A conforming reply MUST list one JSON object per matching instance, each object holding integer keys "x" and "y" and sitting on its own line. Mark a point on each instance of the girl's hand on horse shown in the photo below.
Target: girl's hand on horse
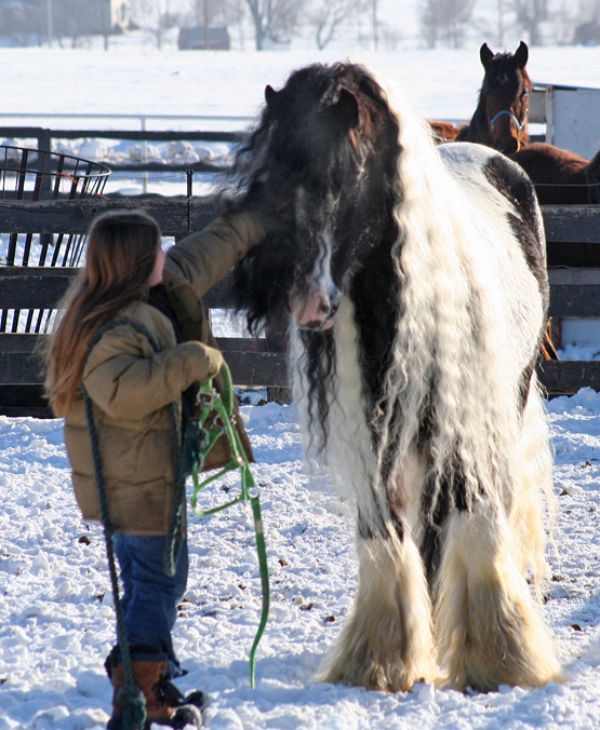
{"x": 275, "y": 210}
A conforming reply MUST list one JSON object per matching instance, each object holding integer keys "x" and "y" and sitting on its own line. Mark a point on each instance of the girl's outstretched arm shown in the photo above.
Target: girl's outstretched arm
{"x": 205, "y": 258}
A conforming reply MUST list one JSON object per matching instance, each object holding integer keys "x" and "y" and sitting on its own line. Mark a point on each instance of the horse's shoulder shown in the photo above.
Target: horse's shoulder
{"x": 499, "y": 172}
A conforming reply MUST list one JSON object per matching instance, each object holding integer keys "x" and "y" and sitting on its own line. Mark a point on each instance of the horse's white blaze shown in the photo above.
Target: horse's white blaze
{"x": 319, "y": 304}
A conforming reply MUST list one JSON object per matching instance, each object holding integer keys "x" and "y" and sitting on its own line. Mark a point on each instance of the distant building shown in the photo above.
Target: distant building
{"x": 587, "y": 34}
{"x": 194, "y": 38}
{"x": 26, "y": 21}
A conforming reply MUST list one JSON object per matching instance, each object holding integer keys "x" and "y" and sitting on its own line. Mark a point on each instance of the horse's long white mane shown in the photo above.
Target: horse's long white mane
{"x": 457, "y": 321}
{"x": 451, "y": 606}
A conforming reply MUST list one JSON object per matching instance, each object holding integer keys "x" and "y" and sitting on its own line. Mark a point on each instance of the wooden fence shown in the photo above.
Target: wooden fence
{"x": 575, "y": 291}
{"x": 45, "y": 138}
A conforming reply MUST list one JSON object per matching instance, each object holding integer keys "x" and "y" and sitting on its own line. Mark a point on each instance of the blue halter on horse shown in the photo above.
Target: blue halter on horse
{"x": 501, "y": 117}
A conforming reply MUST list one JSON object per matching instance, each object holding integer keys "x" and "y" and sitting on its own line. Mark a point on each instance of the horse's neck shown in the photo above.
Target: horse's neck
{"x": 478, "y": 129}
{"x": 376, "y": 312}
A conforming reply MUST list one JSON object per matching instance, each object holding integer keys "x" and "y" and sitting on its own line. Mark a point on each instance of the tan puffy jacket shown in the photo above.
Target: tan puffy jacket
{"x": 131, "y": 386}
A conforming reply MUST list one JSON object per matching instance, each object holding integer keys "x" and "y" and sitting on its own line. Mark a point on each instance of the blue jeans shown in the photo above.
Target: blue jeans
{"x": 150, "y": 596}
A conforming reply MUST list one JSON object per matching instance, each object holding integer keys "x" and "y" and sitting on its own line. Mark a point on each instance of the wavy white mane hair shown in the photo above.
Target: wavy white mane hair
{"x": 451, "y": 257}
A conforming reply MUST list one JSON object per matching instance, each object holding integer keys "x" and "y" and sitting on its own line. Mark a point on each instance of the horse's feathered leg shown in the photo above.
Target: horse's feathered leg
{"x": 387, "y": 643}
{"x": 488, "y": 627}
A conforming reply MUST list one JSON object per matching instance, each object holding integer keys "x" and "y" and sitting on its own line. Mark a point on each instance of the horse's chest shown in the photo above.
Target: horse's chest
{"x": 350, "y": 451}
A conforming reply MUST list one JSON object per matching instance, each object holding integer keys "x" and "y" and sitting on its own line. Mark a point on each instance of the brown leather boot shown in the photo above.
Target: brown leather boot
{"x": 165, "y": 704}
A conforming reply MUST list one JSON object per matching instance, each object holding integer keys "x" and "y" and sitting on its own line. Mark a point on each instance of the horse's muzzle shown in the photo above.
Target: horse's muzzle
{"x": 317, "y": 311}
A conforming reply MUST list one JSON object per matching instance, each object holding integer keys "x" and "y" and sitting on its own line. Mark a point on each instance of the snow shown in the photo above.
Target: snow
{"x": 56, "y": 616}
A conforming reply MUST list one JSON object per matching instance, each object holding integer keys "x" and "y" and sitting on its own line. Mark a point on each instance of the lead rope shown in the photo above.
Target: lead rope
{"x": 132, "y": 699}
{"x": 215, "y": 418}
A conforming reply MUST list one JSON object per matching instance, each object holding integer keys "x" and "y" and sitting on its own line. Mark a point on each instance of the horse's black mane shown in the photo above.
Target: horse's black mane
{"x": 298, "y": 144}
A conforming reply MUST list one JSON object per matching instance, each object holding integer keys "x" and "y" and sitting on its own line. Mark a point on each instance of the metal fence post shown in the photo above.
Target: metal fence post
{"x": 145, "y": 156}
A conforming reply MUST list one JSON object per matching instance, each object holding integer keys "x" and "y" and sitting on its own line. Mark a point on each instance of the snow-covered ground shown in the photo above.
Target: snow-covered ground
{"x": 56, "y": 618}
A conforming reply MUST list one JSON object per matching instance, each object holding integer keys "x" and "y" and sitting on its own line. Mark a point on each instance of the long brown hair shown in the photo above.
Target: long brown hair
{"x": 121, "y": 251}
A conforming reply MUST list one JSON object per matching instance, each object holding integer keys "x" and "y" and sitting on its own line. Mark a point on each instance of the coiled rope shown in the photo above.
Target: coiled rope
{"x": 215, "y": 418}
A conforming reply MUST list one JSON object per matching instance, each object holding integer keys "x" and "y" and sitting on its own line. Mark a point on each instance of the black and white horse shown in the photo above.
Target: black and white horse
{"x": 415, "y": 283}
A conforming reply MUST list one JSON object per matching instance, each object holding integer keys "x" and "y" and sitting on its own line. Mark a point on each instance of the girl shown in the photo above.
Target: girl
{"x": 155, "y": 297}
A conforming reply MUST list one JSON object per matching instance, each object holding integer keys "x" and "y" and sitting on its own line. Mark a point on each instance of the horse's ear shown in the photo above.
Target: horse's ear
{"x": 485, "y": 55}
{"x": 522, "y": 54}
{"x": 345, "y": 109}
{"x": 270, "y": 94}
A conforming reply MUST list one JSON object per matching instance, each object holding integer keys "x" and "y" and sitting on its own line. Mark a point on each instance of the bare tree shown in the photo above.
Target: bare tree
{"x": 273, "y": 19}
{"x": 585, "y": 23}
{"x": 226, "y": 12}
{"x": 206, "y": 12}
{"x": 327, "y": 18}
{"x": 529, "y": 15}
{"x": 19, "y": 20}
{"x": 375, "y": 22}
{"x": 445, "y": 20}
{"x": 589, "y": 10}
{"x": 153, "y": 16}
{"x": 501, "y": 22}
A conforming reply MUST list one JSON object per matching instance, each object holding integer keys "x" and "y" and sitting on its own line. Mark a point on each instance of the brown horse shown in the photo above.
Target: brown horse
{"x": 500, "y": 119}
{"x": 560, "y": 176}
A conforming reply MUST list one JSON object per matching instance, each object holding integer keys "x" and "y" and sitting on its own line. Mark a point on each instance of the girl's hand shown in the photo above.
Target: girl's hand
{"x": 203, "y": 361}
{"x": 214, "y": 360}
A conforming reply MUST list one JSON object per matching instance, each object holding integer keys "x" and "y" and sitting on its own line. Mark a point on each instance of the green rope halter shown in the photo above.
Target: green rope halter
{"x": 216, "y": 418}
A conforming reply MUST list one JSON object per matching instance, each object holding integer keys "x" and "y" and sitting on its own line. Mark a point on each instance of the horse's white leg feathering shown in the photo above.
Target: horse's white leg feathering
{"x": 488, "y": 627}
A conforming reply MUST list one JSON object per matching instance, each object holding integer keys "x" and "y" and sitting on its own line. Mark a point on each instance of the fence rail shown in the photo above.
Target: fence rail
{"x": 45, "y": 138}
{"x": 575, "y": 292}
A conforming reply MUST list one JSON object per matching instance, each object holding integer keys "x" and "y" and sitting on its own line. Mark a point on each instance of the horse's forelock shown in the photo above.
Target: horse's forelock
{"x": 343, "y": 189}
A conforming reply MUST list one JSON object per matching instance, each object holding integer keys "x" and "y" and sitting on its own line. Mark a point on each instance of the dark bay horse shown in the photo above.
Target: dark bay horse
{"x": 500, "y": 119}
{"x": 560, "y": 176}
{"x": 414, "y": 281}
